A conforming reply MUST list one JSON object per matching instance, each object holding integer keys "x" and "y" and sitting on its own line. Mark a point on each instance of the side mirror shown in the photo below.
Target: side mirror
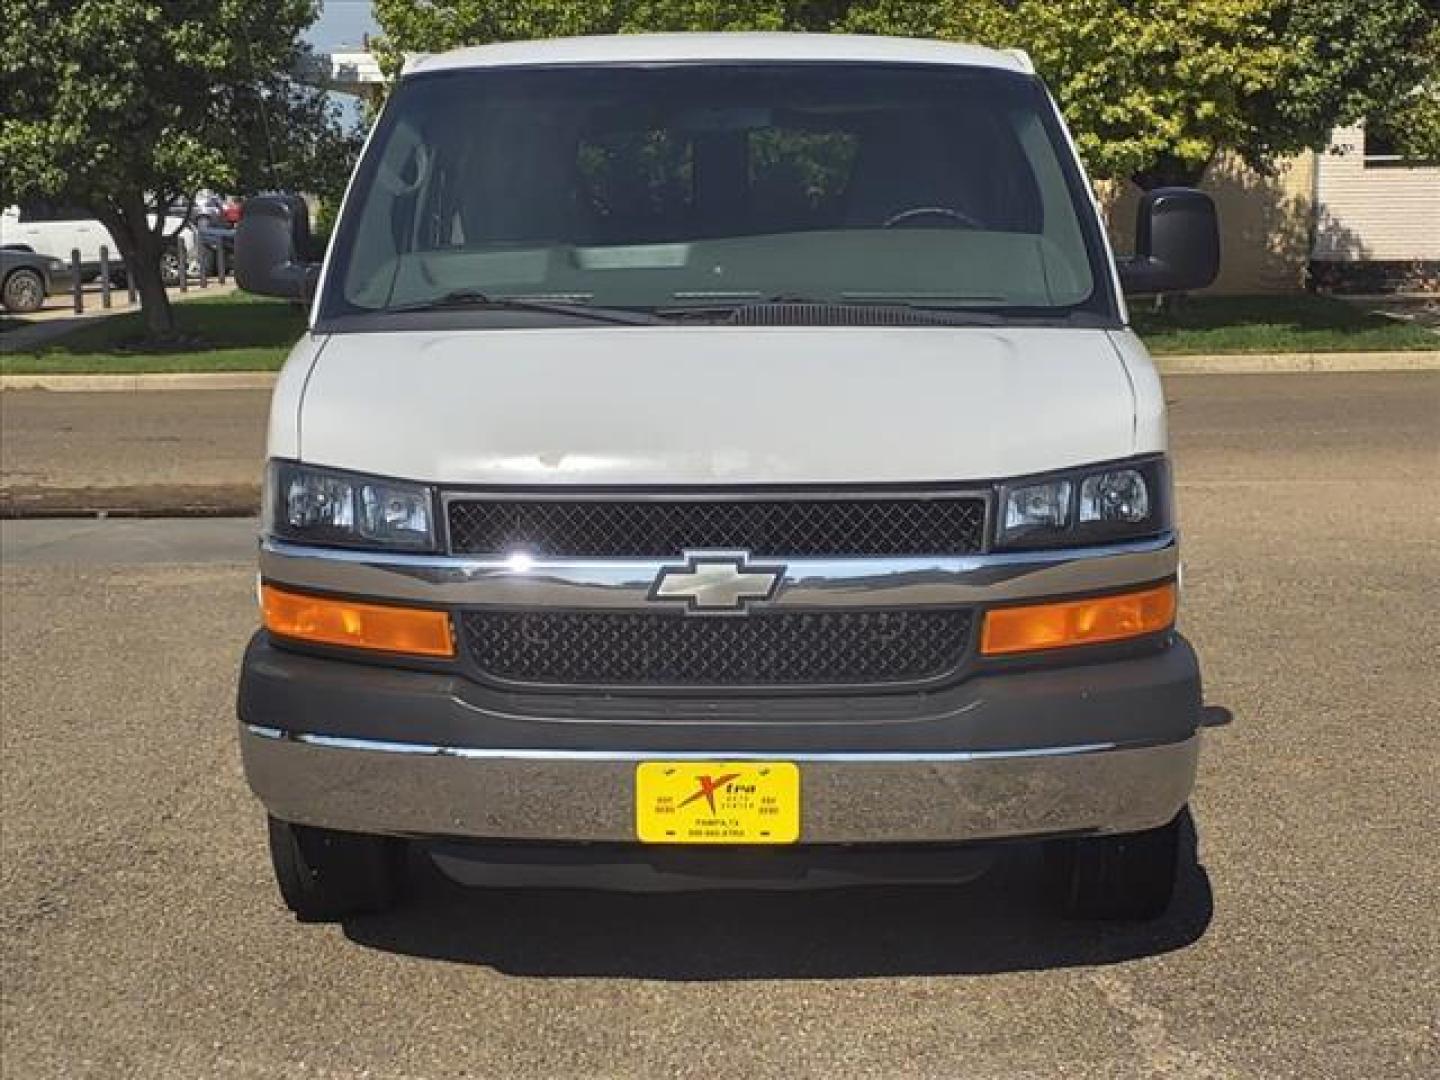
{"x": 1177, "y": 243}
{"x": 272, "y": 248}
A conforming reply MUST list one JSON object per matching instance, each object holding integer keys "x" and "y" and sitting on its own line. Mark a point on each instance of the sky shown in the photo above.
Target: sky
{"x": 341, "y": 22}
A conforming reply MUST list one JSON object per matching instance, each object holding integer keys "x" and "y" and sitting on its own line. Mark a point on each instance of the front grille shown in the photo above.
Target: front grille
{"x": 794, "y": 527}
{"x": 764, "y": 648}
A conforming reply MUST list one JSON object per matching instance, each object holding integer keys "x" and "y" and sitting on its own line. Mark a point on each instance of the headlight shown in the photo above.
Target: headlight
{"x": 1119, "y": 501}
{"x": 326, "y": 506}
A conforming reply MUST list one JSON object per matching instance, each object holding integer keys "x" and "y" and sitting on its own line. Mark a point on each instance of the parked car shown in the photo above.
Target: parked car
{"x": 211, "y": 210}
{"x": 716, "y": 460}
{"x": 204, "y": 210}
{"x": 27, "y": 278}
{"x": 56, "y": 231}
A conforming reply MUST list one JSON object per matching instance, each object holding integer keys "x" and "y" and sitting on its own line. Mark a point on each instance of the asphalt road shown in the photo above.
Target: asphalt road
{"x": 117, "y": 450}
{"x": 142, "y": 936}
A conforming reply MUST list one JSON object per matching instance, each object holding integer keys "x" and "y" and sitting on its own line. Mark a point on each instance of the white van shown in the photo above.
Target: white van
{"x": 59, "y": 231}
{"x": 721, "y": 460}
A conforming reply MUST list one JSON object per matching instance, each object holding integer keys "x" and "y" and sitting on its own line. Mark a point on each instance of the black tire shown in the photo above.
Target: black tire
{"x": 325, "y": 876}
{"x": 24, "y": 291}
{"x": 170, "y": 267}
{"x": 1130, "y": 876}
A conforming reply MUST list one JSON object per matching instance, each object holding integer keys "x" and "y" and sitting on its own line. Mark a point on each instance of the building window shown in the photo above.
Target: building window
{"x": 1382, "y": 149}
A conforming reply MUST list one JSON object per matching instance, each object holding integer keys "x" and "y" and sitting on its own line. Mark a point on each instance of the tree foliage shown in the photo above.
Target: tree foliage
{"x": 128, "y": 106}
{"x": 1349, "y": 61}
{"x": 1414, "y": 114}
{"x": 1153, "y": 89}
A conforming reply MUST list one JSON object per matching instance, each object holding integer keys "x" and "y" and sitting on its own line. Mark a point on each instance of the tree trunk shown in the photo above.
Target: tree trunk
{"x": 142, "y": 250}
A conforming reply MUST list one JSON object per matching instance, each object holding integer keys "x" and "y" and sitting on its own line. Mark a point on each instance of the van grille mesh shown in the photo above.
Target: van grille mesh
{"x": 763, "y": 648}
{"x": 794, "y": 527}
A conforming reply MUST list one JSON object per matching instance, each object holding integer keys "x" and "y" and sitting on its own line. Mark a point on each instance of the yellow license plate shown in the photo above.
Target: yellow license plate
{"x": 717, "y": 802}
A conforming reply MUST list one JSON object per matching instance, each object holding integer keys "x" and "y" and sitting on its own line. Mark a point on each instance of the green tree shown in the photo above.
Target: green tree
{"x": 1415, "y": 116}
{"x": 1156, "y": 89}
{"x": 1348, "y": 61}
{"x": 127, "y": 107}
{"x": 436, "y": 25}
{"x": 1153, "y": 89}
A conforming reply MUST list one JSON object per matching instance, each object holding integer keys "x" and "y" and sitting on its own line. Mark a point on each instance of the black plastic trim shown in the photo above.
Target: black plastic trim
{"x": 1140, "y": 700}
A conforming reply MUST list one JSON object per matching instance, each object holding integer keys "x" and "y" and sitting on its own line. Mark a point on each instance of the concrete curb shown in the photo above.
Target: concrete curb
{"x": 1299, "y": 363}
{"x": 1238, "y": 364}
{"x": 176, "y": 380}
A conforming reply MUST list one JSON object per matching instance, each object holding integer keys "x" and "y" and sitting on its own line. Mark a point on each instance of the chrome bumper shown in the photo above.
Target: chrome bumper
{"x": 805, "y": 583}
{"x": 556, "y": 795}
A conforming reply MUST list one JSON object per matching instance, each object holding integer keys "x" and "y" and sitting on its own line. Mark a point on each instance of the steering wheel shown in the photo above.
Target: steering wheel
{"x": 958, "y": 217}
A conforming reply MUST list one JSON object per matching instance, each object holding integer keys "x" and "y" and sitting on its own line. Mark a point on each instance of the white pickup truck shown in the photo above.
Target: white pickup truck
{"x": 720, "y": 460}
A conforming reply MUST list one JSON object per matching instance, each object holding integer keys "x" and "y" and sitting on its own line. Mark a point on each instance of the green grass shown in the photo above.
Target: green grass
{"x": 1273, "y": 324}
{"x": 237, "y": 332}
{"x": 234, "y": 332}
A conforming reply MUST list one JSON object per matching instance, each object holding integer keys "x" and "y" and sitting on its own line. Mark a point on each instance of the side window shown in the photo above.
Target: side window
{"x": 799, "y": 179}
{"x": 1383, "y": 149}
{"x": 635, "y": 184}
{"x": 963, "y": 162}
{"x": 37, "y": 211}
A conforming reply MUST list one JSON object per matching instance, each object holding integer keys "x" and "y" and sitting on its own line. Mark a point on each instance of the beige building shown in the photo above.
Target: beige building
{"x": 1353, "y": 217}
{"x": 1372, "y": 206}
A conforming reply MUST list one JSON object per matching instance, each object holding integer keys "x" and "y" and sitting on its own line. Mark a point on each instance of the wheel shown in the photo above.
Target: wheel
{"x": 325, "y": 876}
{"x": 24, "y": 291}
{"x": 1130, "y": 876}
{"x": 170, "y": 267}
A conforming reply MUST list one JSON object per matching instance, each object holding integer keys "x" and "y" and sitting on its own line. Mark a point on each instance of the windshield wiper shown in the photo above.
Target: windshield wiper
{"x": 820, "y": 312}
{"x": 473, "y": 299}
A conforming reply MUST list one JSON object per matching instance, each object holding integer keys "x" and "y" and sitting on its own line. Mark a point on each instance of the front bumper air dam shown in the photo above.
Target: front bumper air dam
{"x": 956, "y": 789}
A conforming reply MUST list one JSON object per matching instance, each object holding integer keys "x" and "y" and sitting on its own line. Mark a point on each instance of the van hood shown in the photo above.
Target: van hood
{"x": 716, "y": 405}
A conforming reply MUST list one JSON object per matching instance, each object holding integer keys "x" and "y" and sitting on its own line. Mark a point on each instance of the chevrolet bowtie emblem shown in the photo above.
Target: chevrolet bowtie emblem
{"x": 716, "y": 582}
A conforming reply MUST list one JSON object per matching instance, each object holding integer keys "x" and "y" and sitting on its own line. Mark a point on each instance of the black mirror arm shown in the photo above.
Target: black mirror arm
{"x": 1142, "y": 273}
{"x": 299, "y": 279}
{"x": 1177, "y": 243}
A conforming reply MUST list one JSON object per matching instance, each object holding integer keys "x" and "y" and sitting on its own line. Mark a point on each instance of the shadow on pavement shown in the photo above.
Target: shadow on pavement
{"x": 1000, "y": 923}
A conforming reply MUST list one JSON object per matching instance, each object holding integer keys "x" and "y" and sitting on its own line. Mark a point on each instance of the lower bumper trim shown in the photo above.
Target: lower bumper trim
{"x": 427, "y": 790}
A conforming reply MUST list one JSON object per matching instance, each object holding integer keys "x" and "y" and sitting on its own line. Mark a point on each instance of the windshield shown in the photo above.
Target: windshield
{"x": 691, "y": 187}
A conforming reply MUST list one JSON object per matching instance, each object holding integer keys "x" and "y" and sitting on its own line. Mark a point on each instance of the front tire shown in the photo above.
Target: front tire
{"x": 24, "y": 291}
{"x": 325, "y": 876}
{"x": 1127, "y": 877}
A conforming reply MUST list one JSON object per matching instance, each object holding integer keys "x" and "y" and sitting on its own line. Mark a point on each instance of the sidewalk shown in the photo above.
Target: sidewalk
{"x": 57, "y": 318}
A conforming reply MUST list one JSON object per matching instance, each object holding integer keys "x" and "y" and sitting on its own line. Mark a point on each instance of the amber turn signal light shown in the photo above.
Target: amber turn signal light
{"x": 1092, "y": 621}
{"x": 358, "y": 626}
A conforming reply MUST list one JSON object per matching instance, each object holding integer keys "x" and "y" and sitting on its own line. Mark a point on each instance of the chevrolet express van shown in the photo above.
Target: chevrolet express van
{"x": 720, "y": 460}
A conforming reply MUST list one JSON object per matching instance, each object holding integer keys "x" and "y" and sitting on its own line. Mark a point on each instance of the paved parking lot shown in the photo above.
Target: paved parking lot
{"x": 141, "y": 451}
{"x": 142, "y": 936}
